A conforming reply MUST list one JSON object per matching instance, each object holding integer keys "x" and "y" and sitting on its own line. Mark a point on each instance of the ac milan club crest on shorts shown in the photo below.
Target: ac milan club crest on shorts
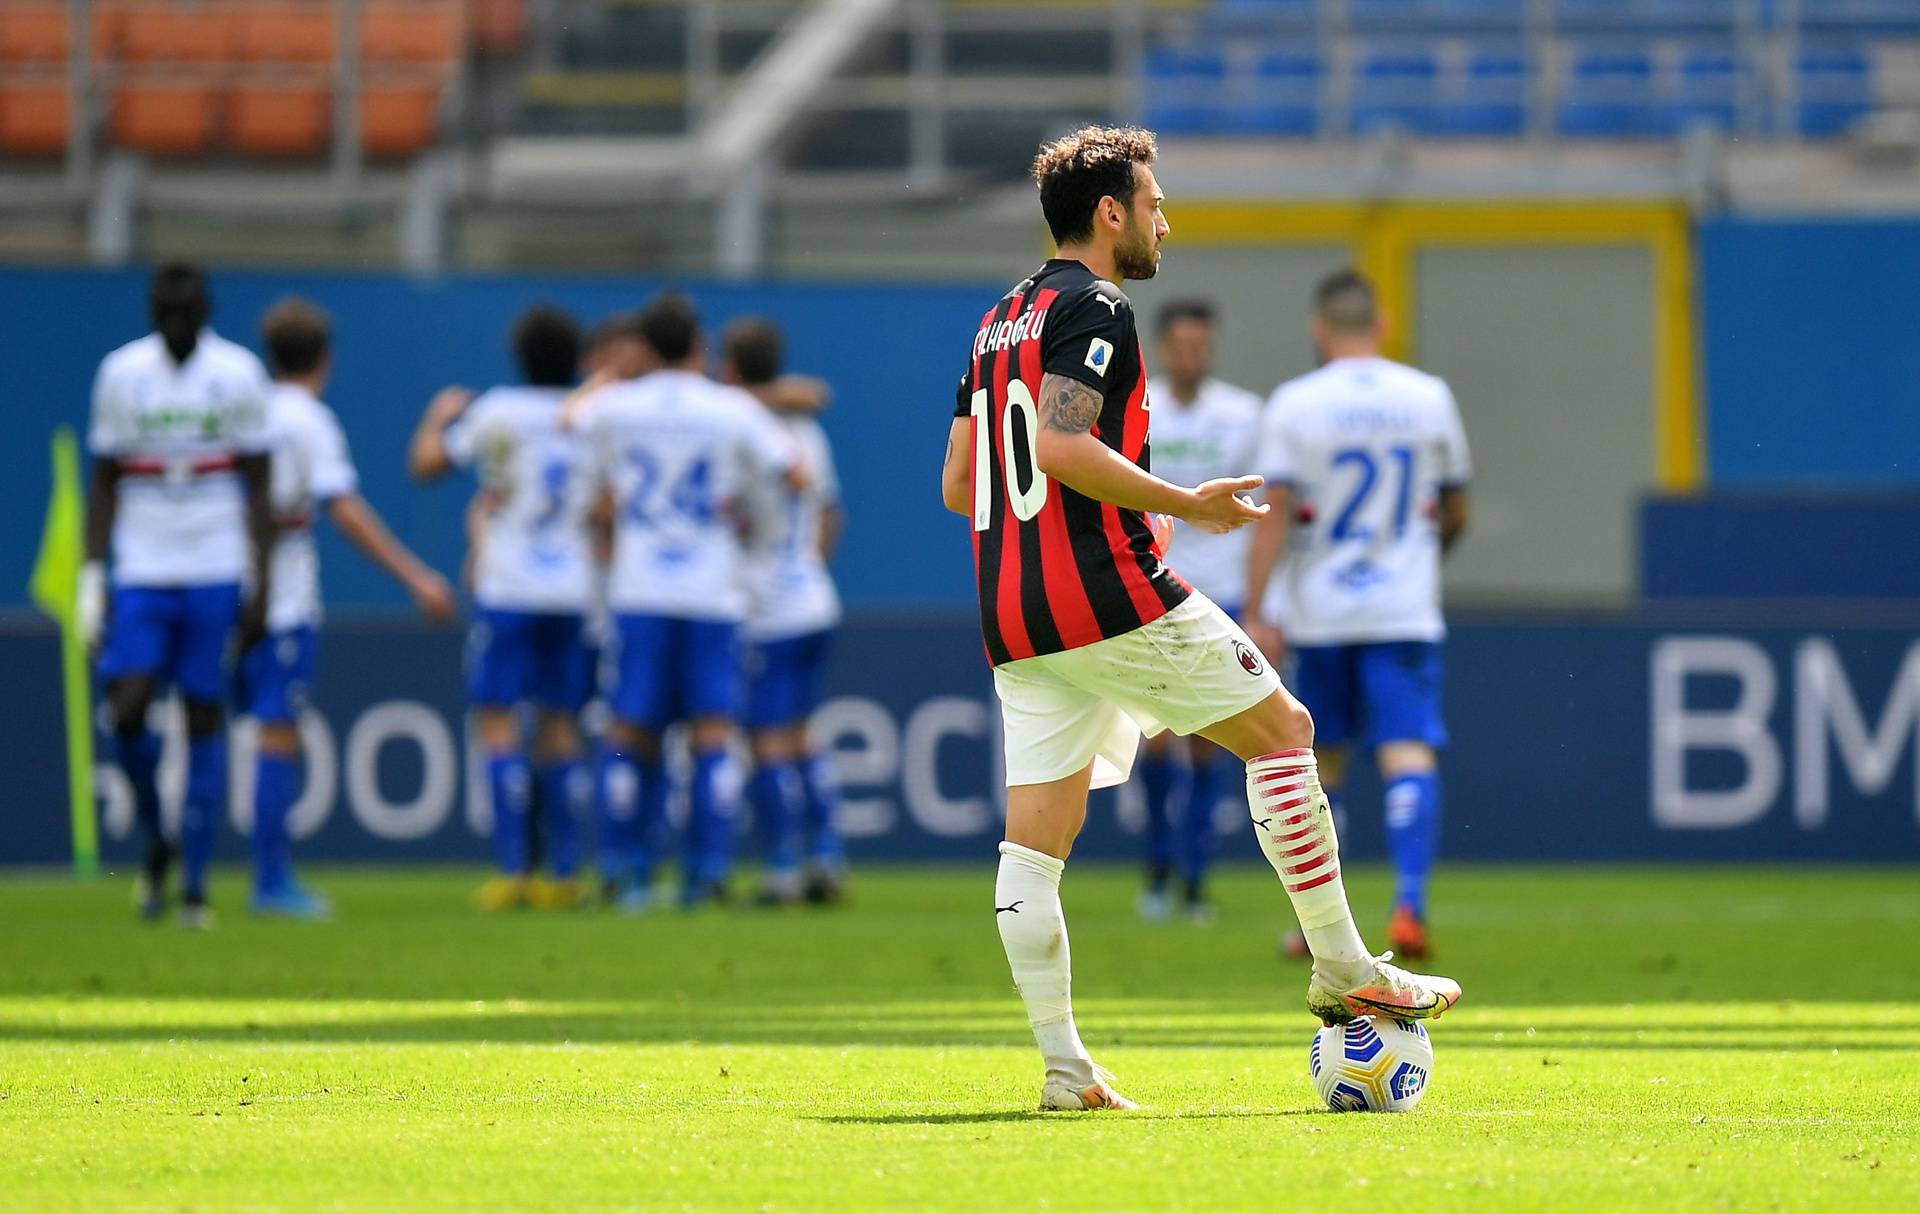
{"x": 1249, "y": 660}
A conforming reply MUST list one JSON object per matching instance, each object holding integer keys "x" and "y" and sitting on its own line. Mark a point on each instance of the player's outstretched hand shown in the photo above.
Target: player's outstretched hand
{"x": 1217, "y": 506}
{"x": 447, "y": 404}
{"x": 435, "y": 598}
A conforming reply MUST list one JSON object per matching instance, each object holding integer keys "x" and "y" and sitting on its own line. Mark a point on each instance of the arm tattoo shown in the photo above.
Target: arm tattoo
{"x": 1068, "y": 405}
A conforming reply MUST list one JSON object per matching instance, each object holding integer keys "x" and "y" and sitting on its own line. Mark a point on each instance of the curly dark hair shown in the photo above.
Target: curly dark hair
{"x": 1076, "y": 171}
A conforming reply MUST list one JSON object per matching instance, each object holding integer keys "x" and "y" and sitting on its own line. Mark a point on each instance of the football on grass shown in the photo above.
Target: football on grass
{"x": 1371, "y": 1065}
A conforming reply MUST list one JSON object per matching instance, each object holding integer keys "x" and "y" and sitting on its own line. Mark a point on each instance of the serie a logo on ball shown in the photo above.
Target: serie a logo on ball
{"x": 1371, "y": 1065}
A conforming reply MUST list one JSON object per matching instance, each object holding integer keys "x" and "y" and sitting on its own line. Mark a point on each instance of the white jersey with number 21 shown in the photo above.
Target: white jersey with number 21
{"x": 1366, "y": 445}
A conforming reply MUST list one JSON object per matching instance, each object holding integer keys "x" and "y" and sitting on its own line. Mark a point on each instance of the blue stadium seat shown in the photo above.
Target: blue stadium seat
{"x": 1835, "y": 88}
{"x": 1198, "y": 89}
{"x": 1184, "y": 85}
{"x": 1395, "y": 88}
{"x": 1861, "y": 17}
{"x": 1283, "y": 96}
{"x": 1493, "y": 97}
{"x": 1244, "y": 17}
{"x": 1646, "y": 16}
{"x": 1438, "y": 16}
{"x": 1611, "y": 95}
{"x": 1713, "y": 83}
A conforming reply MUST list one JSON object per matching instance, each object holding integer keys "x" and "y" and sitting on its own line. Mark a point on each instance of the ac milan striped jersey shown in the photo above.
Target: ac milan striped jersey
{"x": 1057, "y": 569}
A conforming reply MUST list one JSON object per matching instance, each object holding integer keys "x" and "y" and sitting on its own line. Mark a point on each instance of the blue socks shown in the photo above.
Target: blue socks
{"x": 710, "y": 820}
{"x": 206, "y": 800}
{"x": 779, "y": 806}
{"x": 510, "y": 783}
{"x": 822, "y": 788}
{"x": 562, "y": 789}
{"x": 139, "y": 757}
{"x": 617, "y": 808}
{"x": 1413, "y": 835}
{"x": 276, "y": 785}
{"x": 1196, "y": 822}
{"x": 1157, "y": 776}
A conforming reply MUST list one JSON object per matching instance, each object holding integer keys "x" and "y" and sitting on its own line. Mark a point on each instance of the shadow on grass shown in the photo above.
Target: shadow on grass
{"x": 556, "y": 1028}
{"x": 1035, "y": 1115}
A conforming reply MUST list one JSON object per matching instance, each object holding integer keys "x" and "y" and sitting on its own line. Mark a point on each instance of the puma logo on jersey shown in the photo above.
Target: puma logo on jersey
{"x": 1113, "y": 305}
{"x": 1099, "y": 355}
{"x": 1262, "y": 823}
{"x": 1014, "y": 906}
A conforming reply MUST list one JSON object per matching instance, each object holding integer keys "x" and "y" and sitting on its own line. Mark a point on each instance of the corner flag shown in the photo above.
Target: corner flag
{"x": 55, "y": 590}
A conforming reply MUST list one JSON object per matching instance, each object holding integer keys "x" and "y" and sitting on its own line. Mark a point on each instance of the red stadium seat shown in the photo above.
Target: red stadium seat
{"x": 170, "y": 31}
{"x": 33, "y": 33}
{"x": 497, "y": 25}
{"x": 33, "y": 116}
{"x": 166, "y": 115}
{"x": 286, "y": 31}
{"x": 399, "y": 32}
{"x": 399, "y": 118}
{"x": 274, "y": 116}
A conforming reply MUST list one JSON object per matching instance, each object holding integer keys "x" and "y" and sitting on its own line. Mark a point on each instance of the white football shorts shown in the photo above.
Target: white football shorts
{"x": 1188, "y": 669}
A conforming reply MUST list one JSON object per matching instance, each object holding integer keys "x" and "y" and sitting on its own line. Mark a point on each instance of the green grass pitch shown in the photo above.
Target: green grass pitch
{"x": 1644, "y": 1039}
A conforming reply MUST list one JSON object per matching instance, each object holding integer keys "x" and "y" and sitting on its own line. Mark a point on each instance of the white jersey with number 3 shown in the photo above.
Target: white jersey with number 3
{"x": 686, "y": 459}
{"x": 177, "y": 431}
{"x": 1366, "y": 445}
{"x": 534, "y": 551}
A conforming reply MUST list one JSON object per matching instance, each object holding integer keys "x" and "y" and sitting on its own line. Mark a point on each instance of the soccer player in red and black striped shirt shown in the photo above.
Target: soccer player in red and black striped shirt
{"x": 1091, "y": 636}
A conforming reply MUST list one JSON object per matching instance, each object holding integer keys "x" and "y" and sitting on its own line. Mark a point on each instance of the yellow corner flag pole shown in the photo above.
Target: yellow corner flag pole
{"x": 55, "y": 588}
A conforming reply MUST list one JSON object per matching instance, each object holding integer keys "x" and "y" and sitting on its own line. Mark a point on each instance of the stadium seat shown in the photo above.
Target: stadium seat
{"x": 274, "y": 116}
{"x": 1438, "y": 16}
{"x": 166, "y": 115}
{"x": 1395, "y": 88}
{"x": 1185, "y": 87}
{"x": 33, "y": 33}
{"x": 1835, "y": 89}
{"x": 399, "y": 118}
{"x": 288, "y": 31}
{"x": 1886, "y": 18}
{"x": 410, "y": 33}
{"x": 176, "y": 33}
{"x": 1285, "y": 96}
{"x": 1713, "y": 84}
{"x": 1610, "y": 95}
{"x": 497, "y": 25}
{"x": 33, "y": 116}
{"x": 1651, "y": 17}
{"x": 1493, "y": 96}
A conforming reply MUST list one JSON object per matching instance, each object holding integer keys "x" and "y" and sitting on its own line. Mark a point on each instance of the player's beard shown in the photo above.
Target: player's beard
{"x": 1135, "y": 256}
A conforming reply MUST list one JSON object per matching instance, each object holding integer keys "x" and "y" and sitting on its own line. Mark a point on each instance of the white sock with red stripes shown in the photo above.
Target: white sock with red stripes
{"x": 1294, "y": 824}
{"x": 1033, "y": 930}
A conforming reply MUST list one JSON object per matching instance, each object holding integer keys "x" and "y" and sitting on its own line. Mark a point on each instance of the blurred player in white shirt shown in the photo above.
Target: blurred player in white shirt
{"x": 685, "y": 461}
{"x": 1201, "y": 428}
{"x": 180, "y": 495}
{"x": 533, "y": 580}
{"x": 312, "y": 471}
{"x": 790, "y": 624}
{"x": 1366, "y": 463}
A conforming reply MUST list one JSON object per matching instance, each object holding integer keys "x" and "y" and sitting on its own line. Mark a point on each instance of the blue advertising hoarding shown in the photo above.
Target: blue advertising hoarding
{"x": 1605, "y": 737}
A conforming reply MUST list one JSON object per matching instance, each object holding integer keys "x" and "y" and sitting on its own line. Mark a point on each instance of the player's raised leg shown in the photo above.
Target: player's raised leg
{"x": 1294, "y": 825}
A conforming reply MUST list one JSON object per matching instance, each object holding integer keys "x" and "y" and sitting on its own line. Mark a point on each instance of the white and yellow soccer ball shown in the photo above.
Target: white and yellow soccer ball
{"x": 1371, "y": 1065}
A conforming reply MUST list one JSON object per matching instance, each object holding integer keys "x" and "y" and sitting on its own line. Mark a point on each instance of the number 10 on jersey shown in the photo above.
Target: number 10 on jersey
{"x": 1019, "y": 467}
